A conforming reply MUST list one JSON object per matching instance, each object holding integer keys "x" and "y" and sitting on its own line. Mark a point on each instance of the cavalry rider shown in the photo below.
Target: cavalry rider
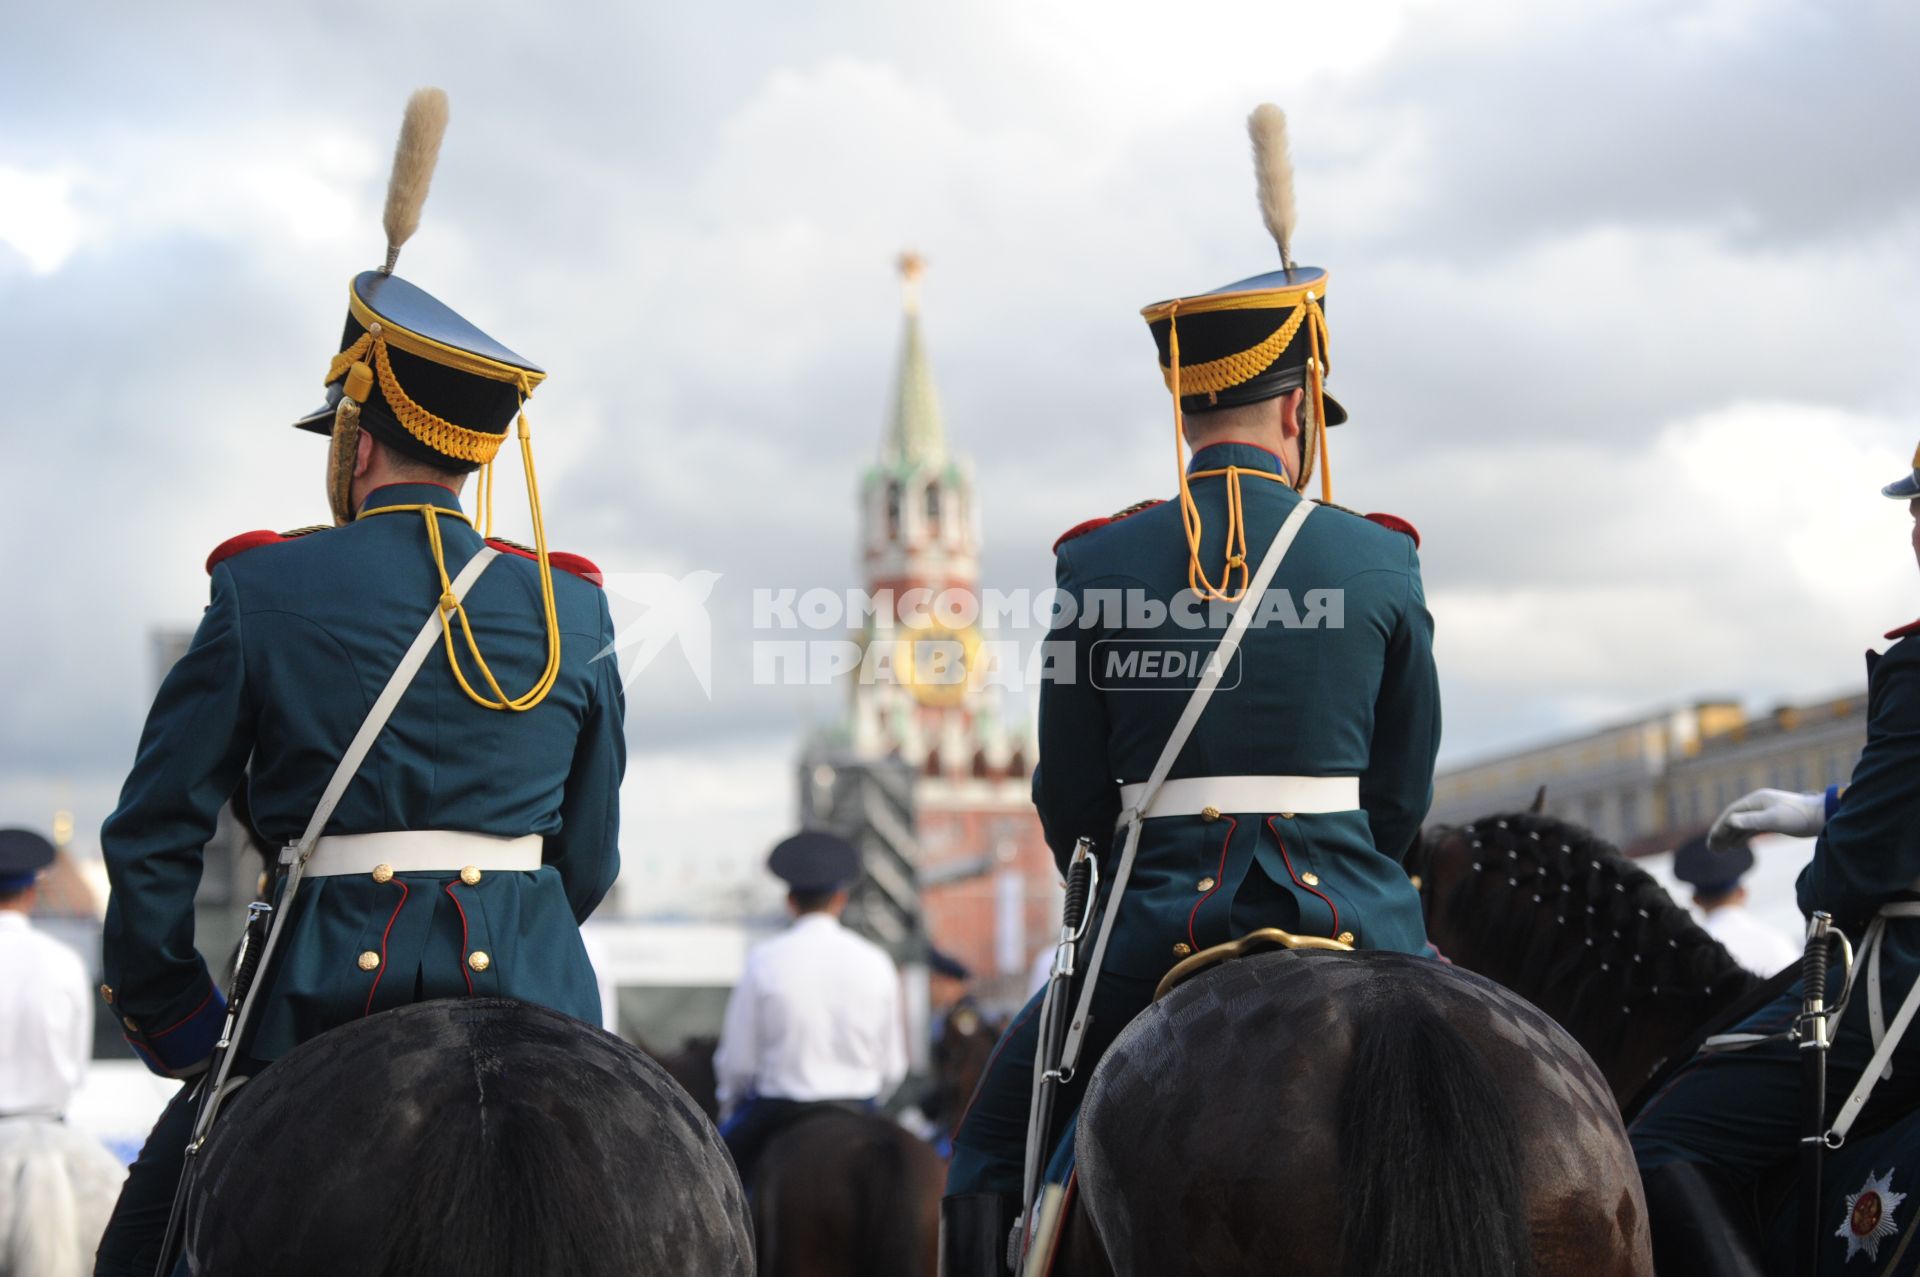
{"x": 1729, "y": 1116}
{"x": 479, "y": 831}
{"x": 1303, "y": 784}
{"x": 817, "y": 1017}
{"x": 46, "y": 1008}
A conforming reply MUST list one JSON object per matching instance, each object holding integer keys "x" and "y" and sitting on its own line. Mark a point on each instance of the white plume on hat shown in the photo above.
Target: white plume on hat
{"x": 1273, "y": 175}
{"x": 414, "y": 157}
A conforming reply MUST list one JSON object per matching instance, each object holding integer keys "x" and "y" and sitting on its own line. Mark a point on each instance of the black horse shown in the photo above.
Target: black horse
{"x": 1350, "y": 1114}
{"x": 847, "y": 1194}
{"x": 475, "y": 1137}
{"x": 1559, "y": 916}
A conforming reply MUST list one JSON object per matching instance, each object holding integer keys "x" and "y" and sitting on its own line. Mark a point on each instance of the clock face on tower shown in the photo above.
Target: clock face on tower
{"x": 938, "y": 663}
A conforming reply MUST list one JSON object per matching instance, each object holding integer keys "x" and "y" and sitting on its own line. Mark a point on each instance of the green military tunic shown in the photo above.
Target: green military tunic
{"x": 1339, "y": 681}
{"x": 1335, "y": 678}
{"x": 300, "y": 636}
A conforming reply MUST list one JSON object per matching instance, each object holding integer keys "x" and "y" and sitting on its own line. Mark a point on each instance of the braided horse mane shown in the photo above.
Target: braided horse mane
{"x": 1562, "y": 918}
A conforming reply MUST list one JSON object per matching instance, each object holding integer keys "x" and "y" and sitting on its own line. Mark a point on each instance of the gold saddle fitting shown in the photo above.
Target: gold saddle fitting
{"x": 1253, "y": 942}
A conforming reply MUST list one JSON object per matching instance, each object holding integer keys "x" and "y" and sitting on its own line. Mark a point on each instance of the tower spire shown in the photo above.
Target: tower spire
{"x": 915, "y": 436}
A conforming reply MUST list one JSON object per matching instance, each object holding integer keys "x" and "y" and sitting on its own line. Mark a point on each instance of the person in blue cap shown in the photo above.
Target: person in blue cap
{"x": 1727, "y": 1117}
{"x": 1720, "y": 898}
{"x": 817, "y": 1016}
{"x": 464, "y": 847}
{"x": 1301, "y": 787}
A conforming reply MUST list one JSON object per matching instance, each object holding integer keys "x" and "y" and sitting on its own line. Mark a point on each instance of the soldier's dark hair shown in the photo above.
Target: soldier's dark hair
{"x": 812, "y": 901}
{"x": 404, "y": 466}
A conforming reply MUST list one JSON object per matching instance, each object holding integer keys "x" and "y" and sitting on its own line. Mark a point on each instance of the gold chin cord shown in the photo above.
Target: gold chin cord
{"x": 340, "y": 485}
{"x": 1313, "y": 454}
{"x": 451, "y": 606}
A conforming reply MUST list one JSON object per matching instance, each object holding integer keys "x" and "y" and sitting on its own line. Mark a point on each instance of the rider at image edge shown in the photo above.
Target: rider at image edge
{"x": 817, "y": 1016}
{"x": 1729, "y": 1116}
{"x": 325, "y": 680}
{"x": 1293, "y": 799}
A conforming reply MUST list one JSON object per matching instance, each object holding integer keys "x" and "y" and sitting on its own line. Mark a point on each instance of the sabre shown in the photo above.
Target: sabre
{"x": 246, "y": 965}
{"x": 1050, "y": 1073}
{"x": 1814, "y": 1037}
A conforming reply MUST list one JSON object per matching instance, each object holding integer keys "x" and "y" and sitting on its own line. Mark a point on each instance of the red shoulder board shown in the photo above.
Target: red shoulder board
{"x": 249, "y": 540}
{"x": 1091, "y": 525}
{"x": 1911, "y": 627}
{"x": 1398, "y": 524}
{"x": 577, "y": 564}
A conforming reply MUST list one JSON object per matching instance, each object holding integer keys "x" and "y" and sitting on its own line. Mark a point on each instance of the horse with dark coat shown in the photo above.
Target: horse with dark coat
{"x": 838, "y": 1193}
{"x": 1352, "y": 1114}
{"x": 1559, "y": 916}
{"x": 467, "y": 1138}
{"x": 847, "y": 1194}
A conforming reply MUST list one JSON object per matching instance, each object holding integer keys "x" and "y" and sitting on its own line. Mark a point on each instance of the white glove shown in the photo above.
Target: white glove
{"x": 1768, "y": 811}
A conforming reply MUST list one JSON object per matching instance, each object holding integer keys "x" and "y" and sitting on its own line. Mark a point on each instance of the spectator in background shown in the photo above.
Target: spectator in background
{"x": 46, "y": 1009}
{"x": 1720, "y": 898}
{"x": 817, "y": 1015}
{"x": 57, "y": 1184}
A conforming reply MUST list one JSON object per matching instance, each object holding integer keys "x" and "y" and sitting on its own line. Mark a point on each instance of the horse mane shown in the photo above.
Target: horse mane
{"x": 478, "y": 1136}
{"x": 1617, "y": 941}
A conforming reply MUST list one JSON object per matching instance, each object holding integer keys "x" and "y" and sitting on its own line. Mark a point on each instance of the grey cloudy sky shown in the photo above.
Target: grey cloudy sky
{"x": 1623, "y": 303}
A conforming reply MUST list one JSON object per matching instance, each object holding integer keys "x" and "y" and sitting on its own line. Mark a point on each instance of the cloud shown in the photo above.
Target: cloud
{"x": 1747, "y": 553}
{"x": 1622, "y": 299}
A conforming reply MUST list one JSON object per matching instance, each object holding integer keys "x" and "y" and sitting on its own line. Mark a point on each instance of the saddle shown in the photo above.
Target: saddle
{"x": 1265, "y": 940}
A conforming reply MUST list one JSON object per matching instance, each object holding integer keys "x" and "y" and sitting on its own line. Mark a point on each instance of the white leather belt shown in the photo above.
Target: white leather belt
{"x": 1193, "y": 795}
{"x": 421, "y": 851}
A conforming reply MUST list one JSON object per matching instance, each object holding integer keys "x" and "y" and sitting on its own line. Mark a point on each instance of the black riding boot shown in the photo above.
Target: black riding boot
{"x": 1703, "y": 1223}
{"x": 974, "y": 1230}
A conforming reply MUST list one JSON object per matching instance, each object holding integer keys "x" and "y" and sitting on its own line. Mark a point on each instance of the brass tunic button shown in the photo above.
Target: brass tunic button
{"x": 470, "y": 875}
{"x": 1182, "y": 949}
{"x": 369, "y": 960}
{"x": 1205, "y": 884}
{"x": 479, "y": 960}
{"x": 1310, "y": 878}
{"x": 383, "y": 873}
{"x": 106, "y": 991}
{"x": 1345, "y": 937}
{"x": 1286, "y": 815}
{"x": 1209, "y": 814}
{"x": 133, "y": 1025}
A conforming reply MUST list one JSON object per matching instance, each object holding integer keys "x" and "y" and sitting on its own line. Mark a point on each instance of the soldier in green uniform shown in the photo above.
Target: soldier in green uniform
{"x": 1304, "y": 781}
{"x": 1728, "y": 1117}
{"x": 482, "y": 827}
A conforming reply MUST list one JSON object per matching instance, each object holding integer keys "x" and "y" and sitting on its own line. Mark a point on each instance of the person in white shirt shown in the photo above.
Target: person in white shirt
{"x": 817, "y": 1016}
{"x": 57, "y": 1184}
{"x": 1720, "y": 899}
{"x": 46, "y": 1008}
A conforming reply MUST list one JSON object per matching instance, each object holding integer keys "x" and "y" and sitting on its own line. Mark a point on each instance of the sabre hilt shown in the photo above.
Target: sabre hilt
{"x": 1813, "y": 968}
{"x": 1079, "y": 886}
{"x": 252, "y": 943}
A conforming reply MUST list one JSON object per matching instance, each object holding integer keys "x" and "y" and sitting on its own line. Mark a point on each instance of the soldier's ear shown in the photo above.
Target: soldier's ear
{"x": 363, "y": 455}
{"x": 1293, "y": 413}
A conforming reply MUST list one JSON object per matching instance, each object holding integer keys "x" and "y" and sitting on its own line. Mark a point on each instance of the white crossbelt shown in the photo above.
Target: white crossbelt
{"x": 1886, "y": 1037}
{"x": 1131, "y": 818}
{"x": 1193, "y": 795}
{"x": 423, "y": 851}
